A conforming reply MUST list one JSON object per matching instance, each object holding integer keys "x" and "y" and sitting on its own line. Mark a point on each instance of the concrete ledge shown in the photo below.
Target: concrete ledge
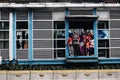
{"x": 110, "y": 74}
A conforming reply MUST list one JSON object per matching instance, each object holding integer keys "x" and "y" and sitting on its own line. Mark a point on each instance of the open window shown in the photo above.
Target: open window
{"x": 81, "y": 30}
{"x": 85, "y": 44}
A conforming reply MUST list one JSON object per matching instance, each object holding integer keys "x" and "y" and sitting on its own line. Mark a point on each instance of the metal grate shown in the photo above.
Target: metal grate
{"x": 42, "y": 54}
{"x": 115, "y": 52}
{"x": 42, "y": 43}
{"x": 115, "y": 43}
{"x": 115, "y": 14}
{"x": 42, "y": 34}
{"x": 22, "y": 15}
{"x": 22, "y": 54}
{"x": 114, "y": 24}
{"x": 114, "y": 33}
{"x": 44, "y": 15}
{"x": 5, "y": 54}
{"x": 42, "y": 25}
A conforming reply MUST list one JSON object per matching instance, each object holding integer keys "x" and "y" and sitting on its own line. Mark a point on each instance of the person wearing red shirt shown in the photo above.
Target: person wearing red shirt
{"x": 70, "y": 45}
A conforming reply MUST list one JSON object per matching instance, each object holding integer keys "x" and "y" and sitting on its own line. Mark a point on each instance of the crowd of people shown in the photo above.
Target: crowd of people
{"x": 81, "y": 44}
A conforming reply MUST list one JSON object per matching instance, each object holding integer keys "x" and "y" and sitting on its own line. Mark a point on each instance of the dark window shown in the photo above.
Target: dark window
{"x": 103, "y": 25}
{"x": 103, "y": 52}
{"x": 103, "y": 43}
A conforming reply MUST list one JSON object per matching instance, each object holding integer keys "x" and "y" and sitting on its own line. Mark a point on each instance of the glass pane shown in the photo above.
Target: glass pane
{"x": 4, "y": 45}
{"x": 22, "y": 25}
{"x": 4, "y": 25}
{"x": 59, "y": 43}
{"x": 103, "y": 52}
{"x": 22, "y": 15}
{"x": 59, "y": 34}
{"x": 22, "y": 35}
{"x": 4, "y": 35}
{"x": 22, "y": 44}
{"x": 103, "y": 43}
{"x": 5, "y": 14}
{"x": 59, "y": 53}
{"x": 59, "y": 25}
{"x": 103, "y": 25}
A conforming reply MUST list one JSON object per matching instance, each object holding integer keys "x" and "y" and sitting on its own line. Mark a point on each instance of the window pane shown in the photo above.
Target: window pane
{"x": 103, "y": 43}
{"x": 103, "y": 25}
{"x": 22, "y": 15}
{"x": 59, "y": 25}
{"x": 59, "y": 43}
{"x": 22, "y": 35}
{"x": 5, "y": 14}
{"x": 59, "y": 53}
{"x": 4, "y": 45}
{"x": 59, "y": 34}
{"x": 22, "y": 25}
{"x": 4, "y": 35}
{"x": 103, "y": 52}
{"x": 4, "y": 25}
{"x": 22, "y": 44}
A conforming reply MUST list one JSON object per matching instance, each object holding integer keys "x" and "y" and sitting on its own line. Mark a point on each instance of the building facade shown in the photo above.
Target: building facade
{"x": 37, "y": 33}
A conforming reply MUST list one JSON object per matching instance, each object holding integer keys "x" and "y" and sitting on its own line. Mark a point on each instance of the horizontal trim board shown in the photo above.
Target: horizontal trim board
{"x": 43, "y": 5}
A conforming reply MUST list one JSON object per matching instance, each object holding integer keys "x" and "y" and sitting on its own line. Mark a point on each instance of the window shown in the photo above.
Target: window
{"x": 103, "y": 43}
{"x": 59, "y": 39}
{"x": 4, "y": 35}
{"x": 81, "y": 35}
{"x": 22, "y": 35}
{"x": 42, "y": 35}
{"x": 22, "y": 39}
{"x": 103, "y": 53}
{"x": 103, "y": 25}
{"x": 4, "y": 40}
{"x": 103, "y": 39}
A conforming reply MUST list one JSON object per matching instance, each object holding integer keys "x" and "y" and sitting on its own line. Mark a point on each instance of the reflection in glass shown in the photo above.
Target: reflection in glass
{"x": 59, "y": 34}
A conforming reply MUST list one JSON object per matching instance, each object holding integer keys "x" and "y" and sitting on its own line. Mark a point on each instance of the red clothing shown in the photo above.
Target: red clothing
{"x": 70, "y": 40}
{"x": 87, "y": 37}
